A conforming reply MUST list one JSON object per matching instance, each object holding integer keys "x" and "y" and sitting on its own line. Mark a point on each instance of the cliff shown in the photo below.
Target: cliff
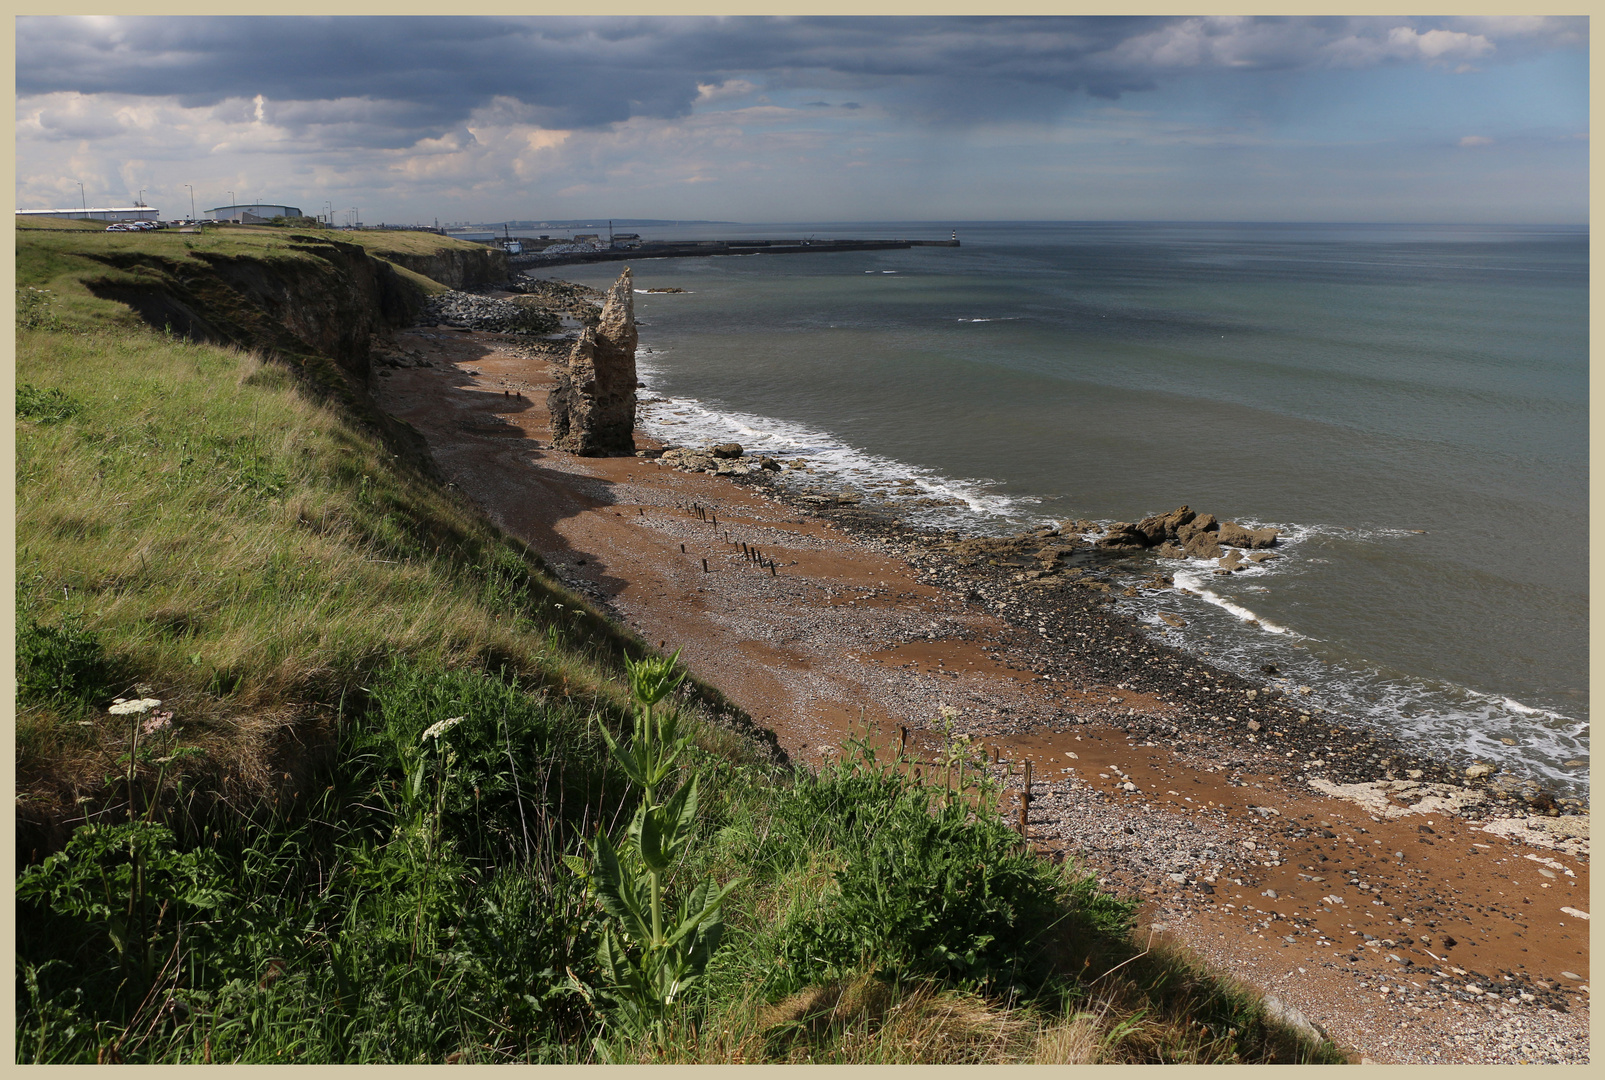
{"x": 464, "y": 269}
{"x": 309, "y": 296}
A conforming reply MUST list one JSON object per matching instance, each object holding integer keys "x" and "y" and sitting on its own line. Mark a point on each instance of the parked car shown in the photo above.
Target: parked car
{"x": 117, "y": 227}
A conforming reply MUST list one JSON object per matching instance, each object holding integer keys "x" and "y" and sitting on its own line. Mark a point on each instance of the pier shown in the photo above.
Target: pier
{"x": 679, "y": 249}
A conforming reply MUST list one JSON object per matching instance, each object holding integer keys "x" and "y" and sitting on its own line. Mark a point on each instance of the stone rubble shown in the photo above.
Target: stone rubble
{"x": 472, "y": 312}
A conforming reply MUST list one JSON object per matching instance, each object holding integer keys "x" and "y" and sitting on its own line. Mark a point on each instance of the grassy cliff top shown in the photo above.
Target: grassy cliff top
{"x": 56, "y": 224}
{"x": 61, "y": 255}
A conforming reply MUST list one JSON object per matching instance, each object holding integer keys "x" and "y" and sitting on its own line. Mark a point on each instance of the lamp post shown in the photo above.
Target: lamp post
{"x": 191, "y": 201}
{"x": 83, "y": 203}
{"x": 231, "y": 204}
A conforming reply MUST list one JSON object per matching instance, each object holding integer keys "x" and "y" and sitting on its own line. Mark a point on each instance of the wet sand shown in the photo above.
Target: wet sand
{"x": 1407, "y": 931}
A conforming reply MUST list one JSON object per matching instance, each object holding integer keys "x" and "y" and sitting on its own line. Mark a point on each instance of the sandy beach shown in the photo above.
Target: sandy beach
{"x": 1385, "y": 899}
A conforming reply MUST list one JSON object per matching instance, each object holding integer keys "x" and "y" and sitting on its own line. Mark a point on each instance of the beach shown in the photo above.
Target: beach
{"x": 1413, "y": 913}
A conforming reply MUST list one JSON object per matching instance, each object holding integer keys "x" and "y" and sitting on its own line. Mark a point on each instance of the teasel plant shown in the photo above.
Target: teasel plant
{"x": 654, "y": 950}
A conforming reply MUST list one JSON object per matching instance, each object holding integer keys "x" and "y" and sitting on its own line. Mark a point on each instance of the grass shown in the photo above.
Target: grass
{"x": 351, "y": 818}
{"x": 55, "y": 224}
{"x": 236, "y": 546}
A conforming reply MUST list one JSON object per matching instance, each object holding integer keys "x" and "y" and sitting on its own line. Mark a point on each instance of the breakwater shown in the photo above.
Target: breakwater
{"x": 679, "y": 249}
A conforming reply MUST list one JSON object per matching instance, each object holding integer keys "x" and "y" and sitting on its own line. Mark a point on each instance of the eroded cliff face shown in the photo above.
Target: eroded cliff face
{"x": 322, "y": 298}
{"x": 457, "y": 269}
{"x": 593, "y": 404}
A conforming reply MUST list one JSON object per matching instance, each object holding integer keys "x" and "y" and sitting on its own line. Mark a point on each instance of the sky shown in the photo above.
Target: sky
{"x": 758, "y": 119}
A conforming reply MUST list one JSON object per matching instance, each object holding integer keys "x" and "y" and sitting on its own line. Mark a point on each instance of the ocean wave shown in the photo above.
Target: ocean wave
{"x": 1438, "y": 716}
{"x": 1194, "y": 582}
{"x": 967, "y": 504}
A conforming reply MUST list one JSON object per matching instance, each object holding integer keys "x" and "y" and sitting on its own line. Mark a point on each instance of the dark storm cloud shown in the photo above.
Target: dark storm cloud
{"x": 389, "y": 81}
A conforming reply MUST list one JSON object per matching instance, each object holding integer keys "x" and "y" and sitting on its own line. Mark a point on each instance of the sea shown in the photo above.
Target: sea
{"x": 1406, "y": 403}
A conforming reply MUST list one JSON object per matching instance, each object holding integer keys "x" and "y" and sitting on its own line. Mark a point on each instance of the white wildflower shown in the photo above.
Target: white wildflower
{"x": 436, "y": 730}
{"x": 138, "y": 705}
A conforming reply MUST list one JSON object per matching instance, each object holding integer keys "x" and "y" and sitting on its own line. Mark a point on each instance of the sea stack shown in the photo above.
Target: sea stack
{"x": 593, "y": 404}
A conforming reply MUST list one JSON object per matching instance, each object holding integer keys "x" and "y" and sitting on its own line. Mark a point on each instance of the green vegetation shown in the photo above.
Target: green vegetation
{"x": 42, "y": 224}
{"x": 314, "y": 764}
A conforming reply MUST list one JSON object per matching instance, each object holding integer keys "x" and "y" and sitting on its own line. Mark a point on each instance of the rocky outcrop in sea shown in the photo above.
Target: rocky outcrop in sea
{"x": 593, "y": 404}
{"x": 1182, "y": 534}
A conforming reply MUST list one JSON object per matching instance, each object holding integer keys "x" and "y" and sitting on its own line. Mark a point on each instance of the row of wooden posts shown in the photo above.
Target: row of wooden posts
{"x": 750, "y": 553}
{"x": 1023, "y": 817}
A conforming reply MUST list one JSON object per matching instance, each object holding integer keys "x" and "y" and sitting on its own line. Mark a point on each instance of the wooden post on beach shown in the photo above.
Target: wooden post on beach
{"x": 704, "y": 566}
{"x": 1024, "y": 801}
{"x": 682, "y": 549}
{"x": 772, "y": 572}
{"x": 902, "y": 739}
{"x": 1027, "y": 779}
{"x": 715, "y": 519}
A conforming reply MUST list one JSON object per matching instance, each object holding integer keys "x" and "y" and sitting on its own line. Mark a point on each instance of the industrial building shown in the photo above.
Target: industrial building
{"x": 248, "y": 213}
{"x": 99, "y": 213}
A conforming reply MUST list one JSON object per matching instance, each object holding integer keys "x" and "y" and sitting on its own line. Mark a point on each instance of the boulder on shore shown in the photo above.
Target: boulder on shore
{"x": 593, "y": 403}
{"x": 727, "y": 450}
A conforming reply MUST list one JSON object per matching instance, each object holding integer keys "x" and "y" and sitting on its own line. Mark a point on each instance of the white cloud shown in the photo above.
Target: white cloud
{"x": 724, "y": 91}
{"x": 1438, "y": 44}
{"x": 1476, "y": 140}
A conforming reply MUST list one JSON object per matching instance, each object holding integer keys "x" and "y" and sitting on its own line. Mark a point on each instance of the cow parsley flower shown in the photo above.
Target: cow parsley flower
{"x": 121, "y": 707}
{"x": 439, "y": 728}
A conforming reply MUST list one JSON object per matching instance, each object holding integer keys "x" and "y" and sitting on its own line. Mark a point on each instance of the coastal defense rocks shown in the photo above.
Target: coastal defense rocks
{"x": 593, "y": 403}
{"x": 473, "y": 312}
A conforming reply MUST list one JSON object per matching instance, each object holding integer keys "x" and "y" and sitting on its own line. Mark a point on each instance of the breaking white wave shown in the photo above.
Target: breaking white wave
{"x": 967, "y": 504}
{"x": 1194, "y": 581}
{"x": 1439, "y": 716}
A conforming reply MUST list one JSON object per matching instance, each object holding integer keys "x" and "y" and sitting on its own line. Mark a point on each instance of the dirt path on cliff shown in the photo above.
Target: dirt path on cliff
{"x": 1408, "y": 931}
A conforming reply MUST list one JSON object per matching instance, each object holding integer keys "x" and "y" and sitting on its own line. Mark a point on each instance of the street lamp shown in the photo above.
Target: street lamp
{"x": 83, "y": 203}
{"x": 231, "y": 203}
{"x": 191, "y": 201}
